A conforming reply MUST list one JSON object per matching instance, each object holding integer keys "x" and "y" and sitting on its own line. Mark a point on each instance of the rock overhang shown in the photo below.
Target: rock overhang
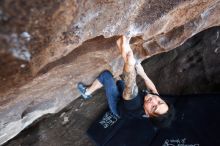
{"x": 79, "y": 42}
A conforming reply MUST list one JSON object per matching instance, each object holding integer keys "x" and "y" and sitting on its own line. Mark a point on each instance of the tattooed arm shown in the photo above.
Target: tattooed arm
{"x": 129, "y": 72}
{"x": 131, "y": 89}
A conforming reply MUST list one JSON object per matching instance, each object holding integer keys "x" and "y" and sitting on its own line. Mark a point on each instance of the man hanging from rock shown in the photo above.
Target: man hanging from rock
{"x": 124, "y": 98}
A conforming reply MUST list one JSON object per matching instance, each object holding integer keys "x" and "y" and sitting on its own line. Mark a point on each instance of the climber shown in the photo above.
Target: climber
{"x": 124, "y": 98}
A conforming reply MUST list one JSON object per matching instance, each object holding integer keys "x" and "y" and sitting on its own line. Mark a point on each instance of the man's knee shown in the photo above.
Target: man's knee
{"x": 105, "y": 77}
{"x": 106, "y": 74}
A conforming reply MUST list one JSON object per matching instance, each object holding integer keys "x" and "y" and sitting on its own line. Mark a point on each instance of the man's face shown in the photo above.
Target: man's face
{"x": 154, "y": 105}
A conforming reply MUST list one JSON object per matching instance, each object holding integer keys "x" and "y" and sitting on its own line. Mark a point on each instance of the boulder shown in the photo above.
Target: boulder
{"x": 50, "y": 46}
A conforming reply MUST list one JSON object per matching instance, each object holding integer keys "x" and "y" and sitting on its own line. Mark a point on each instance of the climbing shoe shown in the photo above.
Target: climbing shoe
{"x": 82, "y": 89}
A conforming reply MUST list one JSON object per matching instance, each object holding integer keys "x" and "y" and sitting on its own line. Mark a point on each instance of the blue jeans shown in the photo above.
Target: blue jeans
{"x": 113, "y": 90}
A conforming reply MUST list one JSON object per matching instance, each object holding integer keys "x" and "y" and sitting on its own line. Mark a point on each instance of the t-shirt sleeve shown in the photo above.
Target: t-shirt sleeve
{"x": 133, "y": 103}
{"x": 132, "y": 108}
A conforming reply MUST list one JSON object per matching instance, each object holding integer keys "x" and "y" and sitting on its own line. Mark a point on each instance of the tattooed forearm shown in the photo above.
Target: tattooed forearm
{"x": 131, "y": 89}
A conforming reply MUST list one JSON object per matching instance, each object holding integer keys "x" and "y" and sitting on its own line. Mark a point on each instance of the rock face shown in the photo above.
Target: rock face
{"x": 187, "y": 64}
{"x": 50, "y": 46}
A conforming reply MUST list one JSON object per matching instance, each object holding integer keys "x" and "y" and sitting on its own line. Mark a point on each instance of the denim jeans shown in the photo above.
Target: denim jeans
{"x": 113, "y": 90}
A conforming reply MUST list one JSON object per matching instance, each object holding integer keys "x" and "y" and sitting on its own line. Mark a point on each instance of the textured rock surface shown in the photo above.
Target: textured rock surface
{"x": 190, "y": 68}
{"x": 63, "y": 42}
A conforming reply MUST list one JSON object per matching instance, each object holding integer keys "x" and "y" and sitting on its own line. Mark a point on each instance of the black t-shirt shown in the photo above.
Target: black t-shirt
{"x": 132, "y": 108}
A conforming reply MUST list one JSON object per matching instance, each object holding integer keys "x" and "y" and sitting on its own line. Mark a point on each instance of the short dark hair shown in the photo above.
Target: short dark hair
{"x": 165, "y": 120}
